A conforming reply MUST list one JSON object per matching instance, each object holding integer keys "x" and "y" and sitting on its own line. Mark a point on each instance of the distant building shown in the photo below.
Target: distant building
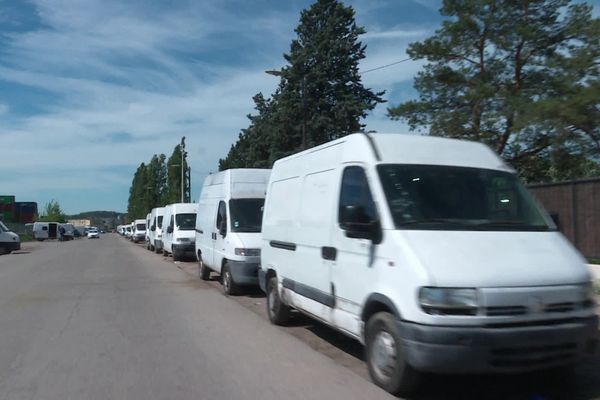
{"x": 80, "y": 222}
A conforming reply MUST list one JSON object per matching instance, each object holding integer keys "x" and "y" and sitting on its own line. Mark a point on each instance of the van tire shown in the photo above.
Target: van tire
{"x": 165, "y": 253}
{"x": 176, "y": 256}
{"x": 400, "y": 377}
{"x": 229, "y": 286}
{"x": 279, "y": 312}
{"x": 203, "y": 271}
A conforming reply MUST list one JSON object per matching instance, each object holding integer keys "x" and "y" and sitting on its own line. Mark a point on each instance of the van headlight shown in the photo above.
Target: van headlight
{"x": 247, "y": 252}
{"x": 448, "y": 301}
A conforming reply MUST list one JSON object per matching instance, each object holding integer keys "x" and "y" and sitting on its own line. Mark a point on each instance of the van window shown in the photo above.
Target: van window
{"x": 141, "y": 227}
{"x": 355, "y": 192}
{"x": 246, "y": 214}
{"x": 3, "y": 227}
{"x": 160, "y": 219}
{"x": 172, "y": 222}
{"x": 221, "y": 215}
{"x": 186, "y": 222}
{"x": 458, "y": 198}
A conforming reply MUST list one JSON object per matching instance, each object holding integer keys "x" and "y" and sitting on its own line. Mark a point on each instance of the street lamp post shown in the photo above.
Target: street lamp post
{"x": 279, "y": 73}
{"x": 182, "y": 148}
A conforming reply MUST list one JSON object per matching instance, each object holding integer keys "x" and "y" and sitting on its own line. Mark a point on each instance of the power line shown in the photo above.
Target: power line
{"x": 385, "y": 66}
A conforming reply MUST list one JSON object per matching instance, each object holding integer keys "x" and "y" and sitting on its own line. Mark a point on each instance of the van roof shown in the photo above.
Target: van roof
{"x": 396, "y": 148}
{"x": 236, "y": 183}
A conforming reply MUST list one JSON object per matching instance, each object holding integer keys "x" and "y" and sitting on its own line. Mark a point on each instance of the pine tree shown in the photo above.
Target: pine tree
{"x": 521, "y": 76}
{"x": 157, "y": 180}
{"x": 138, "y": 203}
{"x": 320, "y": 96}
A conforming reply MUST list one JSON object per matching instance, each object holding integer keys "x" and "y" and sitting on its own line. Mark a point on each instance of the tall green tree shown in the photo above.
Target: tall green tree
{"x": 53, "y": 213}
{"x": 172, "y": 193}
{"x": 138, "y": 204}
{"x": 320, "y": 96}
{"x": 519, "y": 75}
{"x": 157, "y": 180}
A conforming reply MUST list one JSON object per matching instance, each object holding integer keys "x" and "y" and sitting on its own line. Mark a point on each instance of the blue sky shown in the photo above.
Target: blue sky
{"x": 89, "y": 89}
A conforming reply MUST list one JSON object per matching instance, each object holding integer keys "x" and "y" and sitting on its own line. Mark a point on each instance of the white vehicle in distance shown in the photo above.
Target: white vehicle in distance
{"x": 138, "y": 230}
{"x": 45, "y": 230}
{"x": 9, "y": 241}
{"x": 93, "y": 233}
{"x": 147, "y": 237}
{"x": 155, "y": 231}
{"x": 228, "y": 226}
{"x": 128, "y": 231}
{"x": 179, "y": 227}
{"x": 428, "y": 251}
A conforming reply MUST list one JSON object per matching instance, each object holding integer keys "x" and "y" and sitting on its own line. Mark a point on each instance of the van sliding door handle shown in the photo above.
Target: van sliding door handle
{"x": 329, "y": 253}
{"x": 214, "y": 236}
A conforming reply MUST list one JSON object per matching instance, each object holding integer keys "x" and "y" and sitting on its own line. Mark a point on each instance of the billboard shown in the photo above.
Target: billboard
{"x": 7, "y": 208}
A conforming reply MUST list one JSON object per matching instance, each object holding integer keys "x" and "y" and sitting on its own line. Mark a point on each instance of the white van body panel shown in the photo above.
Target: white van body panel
{"x": 178, "y": 235}
{"x": 506, "y": 268}
{"x": 225, "y": 186}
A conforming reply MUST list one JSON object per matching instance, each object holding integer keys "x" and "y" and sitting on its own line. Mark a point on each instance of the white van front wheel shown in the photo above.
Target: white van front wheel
{"x": 279, "y": 313}
{"x": 229, "y": 286}
{"x": 385, "y": 357}
{"x": 203, "y": 270}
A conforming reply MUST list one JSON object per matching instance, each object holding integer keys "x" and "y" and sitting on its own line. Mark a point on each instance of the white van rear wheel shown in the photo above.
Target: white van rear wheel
{"x": 279, "y": 313}
{"x": 385, "y": 356}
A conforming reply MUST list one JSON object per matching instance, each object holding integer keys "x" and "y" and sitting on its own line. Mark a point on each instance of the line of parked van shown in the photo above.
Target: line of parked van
{"x": 52, "y": 230}
{"x": 426, "y": 250}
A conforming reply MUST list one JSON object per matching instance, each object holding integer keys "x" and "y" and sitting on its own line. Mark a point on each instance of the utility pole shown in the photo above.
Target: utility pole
{"x": 182, "y": 148}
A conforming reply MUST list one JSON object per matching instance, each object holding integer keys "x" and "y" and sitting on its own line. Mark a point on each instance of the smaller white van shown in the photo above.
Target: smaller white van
{"x": 229, "y": 224}
{"x": 179, "y": 224}
{"x": 138, "y": 230}
{"x": 45, "y": 230}
{"x": 430, "y": 252}
{"x": 9, "y": 241}
{"x": 155, "y": 231}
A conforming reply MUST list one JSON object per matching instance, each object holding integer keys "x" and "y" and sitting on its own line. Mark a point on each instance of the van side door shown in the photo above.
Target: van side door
{"x": 355, "y": 256}
{"x": 219, "y": 236}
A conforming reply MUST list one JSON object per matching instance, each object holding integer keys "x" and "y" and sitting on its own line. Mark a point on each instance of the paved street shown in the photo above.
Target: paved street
{"x": 106, "y": 319}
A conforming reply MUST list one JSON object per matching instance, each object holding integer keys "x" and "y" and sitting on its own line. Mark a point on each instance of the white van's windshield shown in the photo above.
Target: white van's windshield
{"x": 186, "y": 222}
{"x": 246, "y": 214}
{"x": 3, "y": 227}
{"x": 141, "y": 227}
{"x": 459, "y": 198}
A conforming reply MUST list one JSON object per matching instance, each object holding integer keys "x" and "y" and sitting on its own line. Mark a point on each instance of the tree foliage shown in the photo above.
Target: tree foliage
{"x": 173, "y": 187}
{"x": 320, "y": 96}
{"x": 521, "y": 76}
{"x": 53, "y": 213}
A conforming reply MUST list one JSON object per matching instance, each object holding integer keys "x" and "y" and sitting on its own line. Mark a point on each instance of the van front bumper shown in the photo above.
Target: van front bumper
{"x": 444, "y": 349}
{"x": 244, "y": 272}
{"x": 184, "y": 249}
{"x": 11, "y": 246}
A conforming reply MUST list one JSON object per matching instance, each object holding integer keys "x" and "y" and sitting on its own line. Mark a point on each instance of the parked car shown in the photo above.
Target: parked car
{"x": 155, "y": 232}
{"x": 228, "y": 226}
{"x": 179, "y": 226}
{"x": 138, "y": 230}
{"x": 93, "y": 233}
{"x": 9, "y": 241}
{"x": 427, "y": 250}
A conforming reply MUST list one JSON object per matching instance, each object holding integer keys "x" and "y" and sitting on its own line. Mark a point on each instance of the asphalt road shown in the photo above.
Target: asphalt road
{"x": 106, "y": 319}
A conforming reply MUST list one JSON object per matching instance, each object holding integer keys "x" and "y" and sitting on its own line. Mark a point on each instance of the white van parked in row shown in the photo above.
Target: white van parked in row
{"x": 179, "y": 225}
{"x": 427, "y": 250}
{"x": 45, "y": 230}
{"x": 138, "y": 230}
{"x": 155, "y": 231}
{"x": 228, "y": 226}
{"x": 148, "y": 225}
{"x": 9, "y": 241}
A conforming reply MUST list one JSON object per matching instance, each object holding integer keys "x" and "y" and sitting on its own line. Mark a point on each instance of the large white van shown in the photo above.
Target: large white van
{"x": 156, "y": 220}
{"x": 228, "y": 226}
{"x": 179, "y": 225}
{"x": 427, "y": 250}
{"x": 45, "y": 230}
{"x": 138, "y": 230}
{"x": 9, "y": 241}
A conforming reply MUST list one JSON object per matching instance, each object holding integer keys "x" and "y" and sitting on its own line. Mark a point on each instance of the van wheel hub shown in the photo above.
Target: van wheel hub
{"x": 384, "y": 354}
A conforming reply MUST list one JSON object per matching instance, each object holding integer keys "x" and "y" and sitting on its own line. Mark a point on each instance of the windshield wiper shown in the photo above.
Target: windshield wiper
{"x": 512, "y": 224}
{"x": 433, "y": 221}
